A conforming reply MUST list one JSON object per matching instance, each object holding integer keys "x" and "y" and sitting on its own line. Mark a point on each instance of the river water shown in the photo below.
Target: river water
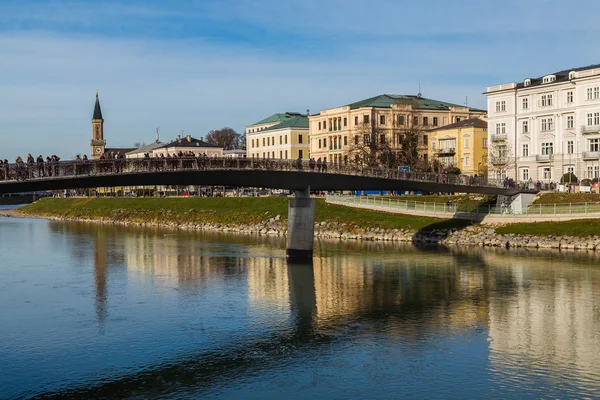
{"x": 92, "y": 311}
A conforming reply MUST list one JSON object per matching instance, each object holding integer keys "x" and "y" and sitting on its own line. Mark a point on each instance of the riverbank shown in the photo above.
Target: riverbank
{"x": 268, "y": 216}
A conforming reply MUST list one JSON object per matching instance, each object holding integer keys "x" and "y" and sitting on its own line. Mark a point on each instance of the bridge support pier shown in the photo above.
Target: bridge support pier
{"x": 518, "y": 203}
{"x": 301, "y": 225}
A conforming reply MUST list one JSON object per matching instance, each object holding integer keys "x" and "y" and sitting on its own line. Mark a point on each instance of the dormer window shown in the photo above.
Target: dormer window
{"x": 549, "y": 79}
{"x": 527, "y": 82}
{"x": 571, "y": 75}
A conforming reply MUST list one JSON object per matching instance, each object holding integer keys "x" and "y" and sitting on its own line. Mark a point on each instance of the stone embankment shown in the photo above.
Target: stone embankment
{"x": 475, "y": 235}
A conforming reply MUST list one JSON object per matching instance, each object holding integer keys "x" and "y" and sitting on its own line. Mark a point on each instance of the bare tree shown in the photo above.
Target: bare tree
{"x": 499, "y": 158}
{"x": 226, "y": 137}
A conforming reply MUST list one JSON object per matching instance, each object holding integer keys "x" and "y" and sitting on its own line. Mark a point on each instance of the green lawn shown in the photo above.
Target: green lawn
{"x": 566, "y": 198}
{"x": 580, "y": 228}
{"x": 229, "y": 210}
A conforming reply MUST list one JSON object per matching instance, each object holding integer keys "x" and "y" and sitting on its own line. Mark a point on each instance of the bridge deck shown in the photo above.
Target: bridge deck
{"x": 276, "y": 174}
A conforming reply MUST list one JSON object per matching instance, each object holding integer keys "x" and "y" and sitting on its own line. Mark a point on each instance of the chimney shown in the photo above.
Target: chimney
{"x": 189, "y": 138}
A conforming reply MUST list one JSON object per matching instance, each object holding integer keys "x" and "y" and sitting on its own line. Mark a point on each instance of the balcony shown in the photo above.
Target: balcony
{"x": 450, "y": 151}
{"x": 590, "y": 129}
{"x": 499, "y": 137}
{"x": 591, "y": 155}
{"x": 543, "y": 157}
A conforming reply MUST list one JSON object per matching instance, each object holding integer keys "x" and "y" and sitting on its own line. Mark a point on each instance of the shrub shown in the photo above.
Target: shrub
{"x": 569, "y": 177}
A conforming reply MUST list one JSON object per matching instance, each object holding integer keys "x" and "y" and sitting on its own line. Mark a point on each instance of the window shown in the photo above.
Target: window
{"x": 415, "y": 120}
{"x": 367, "y": 139}
{"x": 594, "y": 145}
{"x": 300, "y": 139}
{"x": 300, "y": 154}
{"x": 345, "y": 140}
{"x": 503, "y": 105}
{"x": 280, "y": 139}
{"x": 457, "y": 119}
{"x": 596, "y": 92}
{"x": 525, "y": 152}
{"x": 382, "y": 120}
{"x": 400, "y": 120}
{"x": 268, "y": 141}
{"x": 589, "y": 93}
{"x": 425, "y": 138}
{"x": 525, "y": 126}
{"x": 356, "y": 139}
{"x": 544, "y": 101}
{"x": 285, "y": 139}
{"x": 547, "y": 173}
{"x": 570, "y": 170}
{"x": 382, "y": 138}
{"x": 324, "y": 142}
{"x": 570, "y": 122}
{"x": 366, "y": 119}
{"x": 467, "y": 142}
{"x": 549, "y": 100}
{"x": 570, "y": 147}
{"x": 286, "y": 157}
{"x": 425, "y": 121}
{"x": 345, "y": 121}
{"x": 547, "y": 124}
{"x": 525, "y": 103}
{"x": 355, "y": 120}
{"x": 319, "y": 125}
{"x": 501, "y": 128}
{"x": 525, "y": 174}
{"x": 435, "y": 121}
{"x": 547, "y": 148}
{"x": 497, "y": 106}
{"x": 273, "y": 154}
{"x": 467, "y": 161}
{"x": 593, "y": 119}
{"x": 484, "y": 143}
{"x": 324, "y": 124}
{"x": 319, "y": 143}
{"x": 569, "y": 97}
{"x": 252, "y": 142}
{"x": 280, "y": 154}
{"x": 263, "y": 142}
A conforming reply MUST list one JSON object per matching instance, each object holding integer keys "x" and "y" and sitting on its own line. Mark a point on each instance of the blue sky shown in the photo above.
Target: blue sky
{"x": 201, "y": 65}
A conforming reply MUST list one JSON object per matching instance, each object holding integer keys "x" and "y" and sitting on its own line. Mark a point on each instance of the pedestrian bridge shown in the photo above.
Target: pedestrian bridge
{"x": 273, "y": 174}
{"x": 300, "y": 177}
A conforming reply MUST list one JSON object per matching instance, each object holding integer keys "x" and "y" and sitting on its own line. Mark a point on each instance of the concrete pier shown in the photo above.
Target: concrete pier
{"x": 301, "y": 225}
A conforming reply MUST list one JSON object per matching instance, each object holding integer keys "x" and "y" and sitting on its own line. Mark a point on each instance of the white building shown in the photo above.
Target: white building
{"x": 549, "y": 125}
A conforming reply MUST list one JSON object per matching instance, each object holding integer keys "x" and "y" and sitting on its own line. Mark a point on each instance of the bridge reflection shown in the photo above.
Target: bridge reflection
{"x": 369, "y": 288}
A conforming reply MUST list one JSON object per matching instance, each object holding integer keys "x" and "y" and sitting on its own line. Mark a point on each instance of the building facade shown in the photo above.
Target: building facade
{"x": 462, "y": 144}
{"x": 280, "y": 136}
{"x": 546, "y": 126}
{"x": 186, "y": 145}
{"x": 385, "y": 118}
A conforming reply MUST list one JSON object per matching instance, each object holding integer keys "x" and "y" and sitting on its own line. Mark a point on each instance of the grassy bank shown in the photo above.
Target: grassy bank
{"x": 229, "y": 211}
{"x": 566, "y": 198}
{"x": 578, "y": 228}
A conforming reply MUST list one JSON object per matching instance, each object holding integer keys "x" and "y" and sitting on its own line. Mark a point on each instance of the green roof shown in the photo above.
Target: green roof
{"x": 300, "y": 121}
{"x": 279, "y": 117}
{"x": 420, "y": 103}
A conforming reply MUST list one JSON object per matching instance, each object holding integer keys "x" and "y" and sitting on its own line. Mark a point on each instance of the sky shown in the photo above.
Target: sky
{"x": 193, "y": 66}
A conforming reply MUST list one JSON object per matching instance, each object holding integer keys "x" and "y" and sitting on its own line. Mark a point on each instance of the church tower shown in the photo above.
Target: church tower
{"x": 98, "y": 143}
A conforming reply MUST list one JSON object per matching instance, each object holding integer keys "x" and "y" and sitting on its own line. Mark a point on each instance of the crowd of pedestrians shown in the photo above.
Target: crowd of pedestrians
{"x": 29, "y": 168}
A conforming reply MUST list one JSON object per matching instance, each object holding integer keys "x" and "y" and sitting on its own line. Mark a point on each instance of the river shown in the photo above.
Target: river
{"x": 94, "y": 311}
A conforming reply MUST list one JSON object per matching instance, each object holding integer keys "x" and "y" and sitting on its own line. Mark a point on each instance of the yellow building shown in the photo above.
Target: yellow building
{"x": 462, "y": 144}
{"x": 281, "y": 136}
{"x": 386, "y": 119}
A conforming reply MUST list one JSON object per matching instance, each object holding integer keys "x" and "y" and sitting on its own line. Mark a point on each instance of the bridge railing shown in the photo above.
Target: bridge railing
{"x": 49, "y": 170}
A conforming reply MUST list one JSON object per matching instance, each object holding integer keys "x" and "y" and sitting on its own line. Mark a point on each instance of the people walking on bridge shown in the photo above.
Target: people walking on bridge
{"x": 299, "y": 163}
{"x": 311, "y": 164}
{"x": 319, "y": 164}
{"x": 324, "y": 165}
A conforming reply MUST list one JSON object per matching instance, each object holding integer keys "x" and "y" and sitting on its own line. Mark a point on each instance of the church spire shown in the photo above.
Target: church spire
{"x": 97, "y": 110}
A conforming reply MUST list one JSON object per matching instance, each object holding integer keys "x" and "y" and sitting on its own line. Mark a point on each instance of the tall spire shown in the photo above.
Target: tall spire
{"x": 97, "y": 110}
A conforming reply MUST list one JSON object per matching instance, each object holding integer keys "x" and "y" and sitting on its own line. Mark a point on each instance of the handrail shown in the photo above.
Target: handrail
{"x": 61, "y": 169}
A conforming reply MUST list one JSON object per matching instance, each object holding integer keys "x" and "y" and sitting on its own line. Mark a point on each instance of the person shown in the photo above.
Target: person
{"x": 319, "y": 164}
{"x": 299, "y": 163}
{"x": 85, "y": 157}
{"x": 324, "y": 165}
{"x": 311, "y": 164}
{"x": 40, "y": 162}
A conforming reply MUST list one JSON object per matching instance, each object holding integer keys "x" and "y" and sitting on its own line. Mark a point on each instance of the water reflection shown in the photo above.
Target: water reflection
{"x": 482, "y": 322}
